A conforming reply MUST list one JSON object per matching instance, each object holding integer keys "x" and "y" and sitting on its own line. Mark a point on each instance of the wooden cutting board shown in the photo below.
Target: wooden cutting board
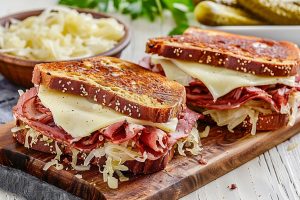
{"x": 223, "y": 151}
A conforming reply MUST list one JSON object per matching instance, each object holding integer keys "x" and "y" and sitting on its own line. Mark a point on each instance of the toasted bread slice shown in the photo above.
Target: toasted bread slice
{"x": 241, "y": 53}
{"x": 115, "y": 83}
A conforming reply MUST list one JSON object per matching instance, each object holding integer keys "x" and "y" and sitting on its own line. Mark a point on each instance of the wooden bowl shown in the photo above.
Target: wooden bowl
{"x": 19, "y": 70}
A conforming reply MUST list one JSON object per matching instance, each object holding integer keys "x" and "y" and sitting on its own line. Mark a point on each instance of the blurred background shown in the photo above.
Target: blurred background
{"x": 276, "y": 19}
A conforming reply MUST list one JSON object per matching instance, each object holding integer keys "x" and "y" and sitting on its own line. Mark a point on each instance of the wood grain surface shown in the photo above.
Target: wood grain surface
{"x": 223, "y": 151}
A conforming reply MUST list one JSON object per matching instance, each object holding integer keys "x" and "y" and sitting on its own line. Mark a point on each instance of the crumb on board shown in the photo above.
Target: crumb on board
{"x": 202, "y": 161}
{"x": 232, "y": 186}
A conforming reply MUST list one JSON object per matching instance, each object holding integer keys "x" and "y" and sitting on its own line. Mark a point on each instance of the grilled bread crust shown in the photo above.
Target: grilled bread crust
{"x": 121, "y": 85}
{"x": 147, "y": 167}
{"x": 269, "y": 122}
{"x": 241, "y": 53}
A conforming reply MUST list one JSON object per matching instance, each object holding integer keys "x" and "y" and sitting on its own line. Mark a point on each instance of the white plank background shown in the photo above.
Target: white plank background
{"x": 273, "y": 175}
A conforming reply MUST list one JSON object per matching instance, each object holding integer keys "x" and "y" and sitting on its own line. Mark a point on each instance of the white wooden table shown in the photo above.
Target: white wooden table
{"x": 273, "y": 175}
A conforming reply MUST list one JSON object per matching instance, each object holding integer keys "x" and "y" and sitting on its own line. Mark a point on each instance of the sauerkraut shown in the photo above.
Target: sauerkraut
{"x": 234, "y": 117}
{"x": 294, "y": 102}
{"x": 33, "y": 135}
{"x": 55, "y": 161}
{"x": 116, "y": 155}
{"x": 190, "y": 143}
{"x": 60, "y": 33}
{"x": 205, "y": 133}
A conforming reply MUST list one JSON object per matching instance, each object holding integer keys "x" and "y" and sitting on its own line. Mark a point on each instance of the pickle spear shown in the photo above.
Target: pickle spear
{"x": 275, "y": 12}
{"x": 211, "y": 13}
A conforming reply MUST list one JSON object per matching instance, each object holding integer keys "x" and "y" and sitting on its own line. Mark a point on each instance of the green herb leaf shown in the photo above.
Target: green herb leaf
{"x": 187, "y": 5}
{"x": 150, "y": 9}
{"x": 117, "y": 4}
{"x": 80, "y": 3}
{"x": 179, "y": 8}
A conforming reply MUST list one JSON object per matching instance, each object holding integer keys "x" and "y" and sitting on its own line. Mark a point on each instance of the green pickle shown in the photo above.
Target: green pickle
{"x": 214, "y": 14}
{"x": 275, "y": 12}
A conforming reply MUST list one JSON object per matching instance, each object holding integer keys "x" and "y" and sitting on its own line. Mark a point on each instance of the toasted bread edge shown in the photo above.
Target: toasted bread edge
{"x": 107, "y": 98}
{"x": 222, "y": 60}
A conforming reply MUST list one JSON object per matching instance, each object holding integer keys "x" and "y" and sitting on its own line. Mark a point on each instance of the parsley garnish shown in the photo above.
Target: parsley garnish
{"x": 150, "y": 9}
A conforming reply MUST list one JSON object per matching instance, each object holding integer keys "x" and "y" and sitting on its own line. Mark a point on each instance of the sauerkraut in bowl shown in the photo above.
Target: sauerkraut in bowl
{"x": 60, "y": 33}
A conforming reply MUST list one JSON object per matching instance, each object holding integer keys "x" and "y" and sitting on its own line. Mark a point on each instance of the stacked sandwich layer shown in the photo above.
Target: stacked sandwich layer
{"x": 82, "y": 110}
{"x": 236, "y": 81}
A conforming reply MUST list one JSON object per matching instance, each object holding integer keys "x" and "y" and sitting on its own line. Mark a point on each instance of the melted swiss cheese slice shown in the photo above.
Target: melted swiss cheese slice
{"x": 80, "y": 117}
{"x": 218, "y": 80}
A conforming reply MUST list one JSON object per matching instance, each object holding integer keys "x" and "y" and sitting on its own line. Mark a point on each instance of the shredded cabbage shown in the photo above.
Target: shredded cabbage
{"x": 233, "y": 117}
{"x": 205, "y": 133}
{"x": 122, "y": 178}
{"x": 17, "y": 128}
{"x": 52, "y": 163}
{"x": 109, "y": 168}
{"x": 60, "y": 33}
{"x": 190, "y": 143}
{"x": 122, "y": 154}
{"x": 26, "y": 143}
{"x": 34, "y": 137}
{"x": 294, "y": 102}
{"x": 160, "y": 139}
{"x": 81, "y": 168}
{"x": 21, "y": 92}
{"x": 116, "y": 155}
{"x": 74, "y": 162}
{"x": 291, "y": 108}
{"x": 58, "y": 152}
{"x": 74, "y": 157}
{"x": 98, "y": 153}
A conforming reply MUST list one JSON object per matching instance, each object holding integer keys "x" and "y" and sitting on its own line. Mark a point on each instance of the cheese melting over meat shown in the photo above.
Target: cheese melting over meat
{"x": 80, "y": 117}
{"x": 218, "y": 80}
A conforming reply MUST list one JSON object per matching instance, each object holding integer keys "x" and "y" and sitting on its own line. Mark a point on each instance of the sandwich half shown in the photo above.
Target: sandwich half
{"x": 235, "y": 81}
{"x": 107, "y": 112}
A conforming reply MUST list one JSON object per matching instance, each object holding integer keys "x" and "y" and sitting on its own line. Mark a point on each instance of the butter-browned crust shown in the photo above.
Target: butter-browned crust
{"x": 269, "y": 122}
{"x": 115, "y": 83}
{"x": 246, "y": 54}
